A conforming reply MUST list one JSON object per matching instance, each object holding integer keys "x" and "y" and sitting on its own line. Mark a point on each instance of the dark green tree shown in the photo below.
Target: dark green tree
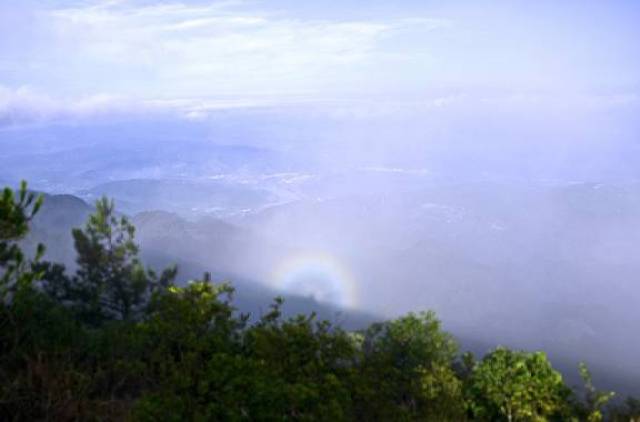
{"x": 17, "y": 209}
{"x": 193, "y": 353}
{"x": 406, "y": 372}
{"x": 303, "y": 367}
{"x": 111, "y": 282}
{"x": 517, "y": 386}
{"x": 629, "y": 411}
{"x": 37, "y": 336}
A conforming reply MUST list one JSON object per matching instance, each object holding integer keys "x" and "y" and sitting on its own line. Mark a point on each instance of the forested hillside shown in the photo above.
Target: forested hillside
{"x": 196, "y": 247}
{"x": 116, "y": 340}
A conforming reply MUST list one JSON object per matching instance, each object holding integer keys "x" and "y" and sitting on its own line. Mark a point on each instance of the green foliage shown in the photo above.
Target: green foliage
{"x": 16, "y": 211}
{"x": 406, "y": 372}
{"x": 304, "y": 367}
{"x": 516, "y": 386}
{"x": 188, "y": 330}
{"x": 595, "y": 400}
{"x": 118, "y": 342}
{"x": 110, "y": 283}
{"x": 38, "y": 359}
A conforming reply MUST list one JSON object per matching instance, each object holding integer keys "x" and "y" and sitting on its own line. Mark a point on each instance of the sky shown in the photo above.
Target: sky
{"x": 81, "y": 57}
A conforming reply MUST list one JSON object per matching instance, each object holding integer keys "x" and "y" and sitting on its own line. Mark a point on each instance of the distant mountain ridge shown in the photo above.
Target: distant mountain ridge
{"x": 166, "y": 239}
{"x": 182, "y": 196}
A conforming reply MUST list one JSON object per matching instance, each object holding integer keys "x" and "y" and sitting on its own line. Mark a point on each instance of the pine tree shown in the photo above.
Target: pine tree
{"x": 111, "y": 283}
{"x": 17, "y": 209}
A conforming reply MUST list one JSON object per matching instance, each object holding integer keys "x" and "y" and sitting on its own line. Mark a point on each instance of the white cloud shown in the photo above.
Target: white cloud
{"x": 25, "y": 105}
{"x": 166, "y": 49}
{"x": 185, "y": 50}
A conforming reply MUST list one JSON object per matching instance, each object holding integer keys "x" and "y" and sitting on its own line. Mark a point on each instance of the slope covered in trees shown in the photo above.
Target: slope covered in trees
{"x": 115, "y": 340}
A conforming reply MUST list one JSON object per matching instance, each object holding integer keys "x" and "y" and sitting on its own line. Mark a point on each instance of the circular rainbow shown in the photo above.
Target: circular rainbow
{"x": 319, "y": 276}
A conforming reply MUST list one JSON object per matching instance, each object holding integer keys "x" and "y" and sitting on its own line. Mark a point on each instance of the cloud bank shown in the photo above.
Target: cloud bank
{"x": 192, "y": 50}
{"x": 80, "y": 59}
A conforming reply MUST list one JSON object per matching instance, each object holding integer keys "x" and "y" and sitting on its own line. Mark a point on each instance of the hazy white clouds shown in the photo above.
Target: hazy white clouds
{"x": 174, "y": 49}
{"x": 24, "y": 105}
{"x": 206, "y": 55}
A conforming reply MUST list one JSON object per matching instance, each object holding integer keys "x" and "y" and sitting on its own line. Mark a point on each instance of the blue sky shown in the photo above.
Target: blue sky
{"x": 92, "y": 55}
